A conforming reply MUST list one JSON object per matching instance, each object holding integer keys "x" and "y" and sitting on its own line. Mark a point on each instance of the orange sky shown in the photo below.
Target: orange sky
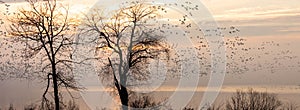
{"x": 267, "y": 20}
{"x": 253, "y": 17}
{"x": 263, "y": 20}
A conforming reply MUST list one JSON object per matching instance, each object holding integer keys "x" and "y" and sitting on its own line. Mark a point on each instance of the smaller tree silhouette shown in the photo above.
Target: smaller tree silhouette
{"x": 146, "y": 102}
{"x": 290, "y": 106}
{"x": 11, "y": 107}
{"x": 253, "y": 100}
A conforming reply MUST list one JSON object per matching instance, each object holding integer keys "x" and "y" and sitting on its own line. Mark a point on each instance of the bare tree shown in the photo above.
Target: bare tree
{"x": 146, "y": 102}
{"x": 44, "y": 32}
{"x": 253, "y": 100}
{"x": 289, "y": 106}
{"x": 131, "y": 44}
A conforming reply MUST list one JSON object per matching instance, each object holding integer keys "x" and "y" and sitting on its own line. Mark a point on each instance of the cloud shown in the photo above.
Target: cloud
{"x": 12, "y": 1}
{"x": 249, "y": 31}
{"x": 262, "y": 21}
{"x": 255, "y": 13}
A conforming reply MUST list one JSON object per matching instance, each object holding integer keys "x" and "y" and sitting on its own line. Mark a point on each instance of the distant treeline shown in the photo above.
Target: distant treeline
{"x": 240, "y": 100}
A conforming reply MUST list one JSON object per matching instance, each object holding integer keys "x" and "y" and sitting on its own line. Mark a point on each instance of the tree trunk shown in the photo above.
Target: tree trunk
{"x": 55, "y": 87}
{"x": 122, "y": 90}
{"x": 123, "y": 93}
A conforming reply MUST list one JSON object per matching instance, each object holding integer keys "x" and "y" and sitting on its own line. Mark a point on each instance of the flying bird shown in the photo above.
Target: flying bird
{"x": 7, "y": 5}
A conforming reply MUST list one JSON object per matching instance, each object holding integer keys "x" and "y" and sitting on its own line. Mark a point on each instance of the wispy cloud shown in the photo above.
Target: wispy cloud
{"x": 260, "y": 20}
{"x": 257, "y": 13}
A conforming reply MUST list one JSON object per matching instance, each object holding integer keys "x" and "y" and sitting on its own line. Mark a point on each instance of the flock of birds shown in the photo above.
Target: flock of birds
{"x": 241, "y": 56}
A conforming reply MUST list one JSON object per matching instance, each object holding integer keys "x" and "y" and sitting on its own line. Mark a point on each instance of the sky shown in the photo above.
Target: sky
{"x": 258, "y": 17}
{"x": 259, "y": 21}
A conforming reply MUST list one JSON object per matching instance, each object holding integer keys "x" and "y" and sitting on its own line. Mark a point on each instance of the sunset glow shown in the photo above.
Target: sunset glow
{"x": 259, "y": 47}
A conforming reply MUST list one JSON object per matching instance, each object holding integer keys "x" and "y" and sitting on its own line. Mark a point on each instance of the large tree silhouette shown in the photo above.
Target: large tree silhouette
{"x": 43, "y": 31}
{"x": 129, "y": 44}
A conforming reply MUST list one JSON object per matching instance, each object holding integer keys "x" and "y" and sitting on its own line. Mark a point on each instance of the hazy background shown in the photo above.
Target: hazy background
{"x": 258, "y": 22}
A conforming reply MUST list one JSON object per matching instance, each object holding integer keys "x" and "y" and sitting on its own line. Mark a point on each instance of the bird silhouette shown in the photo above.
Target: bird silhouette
{"x": 7, "y": 5}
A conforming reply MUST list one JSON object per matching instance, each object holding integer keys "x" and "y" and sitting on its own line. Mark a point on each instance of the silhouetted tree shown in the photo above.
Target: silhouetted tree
{"x": 289, "y": 106}
{"x": 253, "y": 100}
{"x": 11, "y": 107}
{"x": 44, "y": 31}
{"x": 145, "y": 102}
{"x": 130, "y": 42}
{"x": 70, "y": 105}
